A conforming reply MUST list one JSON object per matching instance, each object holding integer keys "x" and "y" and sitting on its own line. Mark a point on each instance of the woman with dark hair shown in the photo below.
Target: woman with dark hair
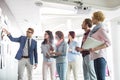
{"x": 46, "y": 46}
{"x": 60, "y": 55}
{"x": 72, "y": 56}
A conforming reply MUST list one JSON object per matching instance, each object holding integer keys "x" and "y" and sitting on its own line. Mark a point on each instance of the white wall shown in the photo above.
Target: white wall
{"x": 115, "y": 30}
{"x": 9, "y": 72}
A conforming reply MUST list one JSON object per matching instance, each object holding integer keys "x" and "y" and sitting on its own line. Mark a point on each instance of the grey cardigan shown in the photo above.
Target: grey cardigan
{"x": 62, "y": 48}
{"x": 45, "y": 49}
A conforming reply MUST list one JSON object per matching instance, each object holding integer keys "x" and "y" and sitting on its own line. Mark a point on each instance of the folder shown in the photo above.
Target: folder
{"x": 91, "y": 43}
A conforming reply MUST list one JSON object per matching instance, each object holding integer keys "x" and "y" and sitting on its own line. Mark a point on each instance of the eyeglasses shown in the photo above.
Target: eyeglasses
{"x": 29, "y": 32}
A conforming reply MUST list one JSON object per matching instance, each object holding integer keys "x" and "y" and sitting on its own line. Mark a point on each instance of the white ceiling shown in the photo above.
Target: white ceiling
{"x": 106, "y": 4}
{"x": 57, "y": 14}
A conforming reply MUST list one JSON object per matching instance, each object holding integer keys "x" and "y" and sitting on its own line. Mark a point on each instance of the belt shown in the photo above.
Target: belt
{"x": 85, "y": 53}
{"x": 25, "y": 56}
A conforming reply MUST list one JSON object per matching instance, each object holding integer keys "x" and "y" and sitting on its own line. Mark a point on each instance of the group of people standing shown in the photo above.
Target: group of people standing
{"x": 65, "y": 54}
{"x": 61, "y": 52}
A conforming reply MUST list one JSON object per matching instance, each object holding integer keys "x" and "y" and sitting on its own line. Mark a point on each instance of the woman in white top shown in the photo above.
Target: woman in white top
{"x": 73, "y": 56}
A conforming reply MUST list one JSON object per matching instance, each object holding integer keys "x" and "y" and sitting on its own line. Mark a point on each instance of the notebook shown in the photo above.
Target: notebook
{"x": 91, "y": 43}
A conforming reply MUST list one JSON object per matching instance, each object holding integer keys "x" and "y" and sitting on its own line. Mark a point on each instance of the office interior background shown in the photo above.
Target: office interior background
{"x": 65, "y": 15}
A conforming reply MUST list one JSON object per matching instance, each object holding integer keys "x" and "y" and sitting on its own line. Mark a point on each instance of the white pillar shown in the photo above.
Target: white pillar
{"x": 115, "y": 30}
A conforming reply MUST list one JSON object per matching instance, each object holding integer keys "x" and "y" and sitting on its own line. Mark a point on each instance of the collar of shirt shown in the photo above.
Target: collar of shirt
{"x": 85, "y": 36}
{"x": 86, "y": 33}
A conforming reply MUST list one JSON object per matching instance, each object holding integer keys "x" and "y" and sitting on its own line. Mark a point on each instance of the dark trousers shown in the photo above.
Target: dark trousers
{"x": 100, "y": 68}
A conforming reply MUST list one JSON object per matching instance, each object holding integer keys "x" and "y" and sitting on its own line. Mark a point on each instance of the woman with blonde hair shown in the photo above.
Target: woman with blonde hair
{"x": 98, "y": 54}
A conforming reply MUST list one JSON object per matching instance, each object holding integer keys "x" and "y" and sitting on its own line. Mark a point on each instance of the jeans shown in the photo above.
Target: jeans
{"x": 100, "y": 67}
{"x": 88, "y": 69}
{"x": 62, "y": 70}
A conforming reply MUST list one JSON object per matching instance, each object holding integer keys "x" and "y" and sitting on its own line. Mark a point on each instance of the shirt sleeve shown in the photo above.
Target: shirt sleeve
{"x": 14, "y": 39}
{"x": 41, "y": 49}
{"x": 76, "y": 44}
{"x": 64, "y": 51}
{"x": 104, "y": 35}
{"x": 35, "y": 53}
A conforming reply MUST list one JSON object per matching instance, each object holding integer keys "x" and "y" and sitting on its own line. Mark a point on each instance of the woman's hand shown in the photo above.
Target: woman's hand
{"x": 92, "y": 49}
{"x": 51, "y": 52}
{"x": 47, "y": 55}
{"x": 98, "y": 48}
{"x": 69, "y": 50}
{"x": 51, "y": 48}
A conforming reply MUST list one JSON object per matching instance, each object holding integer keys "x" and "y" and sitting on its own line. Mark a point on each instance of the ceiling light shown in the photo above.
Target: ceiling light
{"x": 38, "y": 3}
{"x": 81, "y": 9}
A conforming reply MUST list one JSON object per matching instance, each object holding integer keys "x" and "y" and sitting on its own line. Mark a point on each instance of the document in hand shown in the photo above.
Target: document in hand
{"x": 91, "y": 43}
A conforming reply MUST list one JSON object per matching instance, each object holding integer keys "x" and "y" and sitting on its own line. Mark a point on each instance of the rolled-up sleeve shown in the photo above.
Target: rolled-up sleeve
{"x": 104, "y": 36}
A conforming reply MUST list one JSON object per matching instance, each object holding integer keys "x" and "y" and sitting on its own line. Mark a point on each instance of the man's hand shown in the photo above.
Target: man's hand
{"x": 35, "y": 66}
{"x": 4, "y": 30}
{"x": 78, "y": 49}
